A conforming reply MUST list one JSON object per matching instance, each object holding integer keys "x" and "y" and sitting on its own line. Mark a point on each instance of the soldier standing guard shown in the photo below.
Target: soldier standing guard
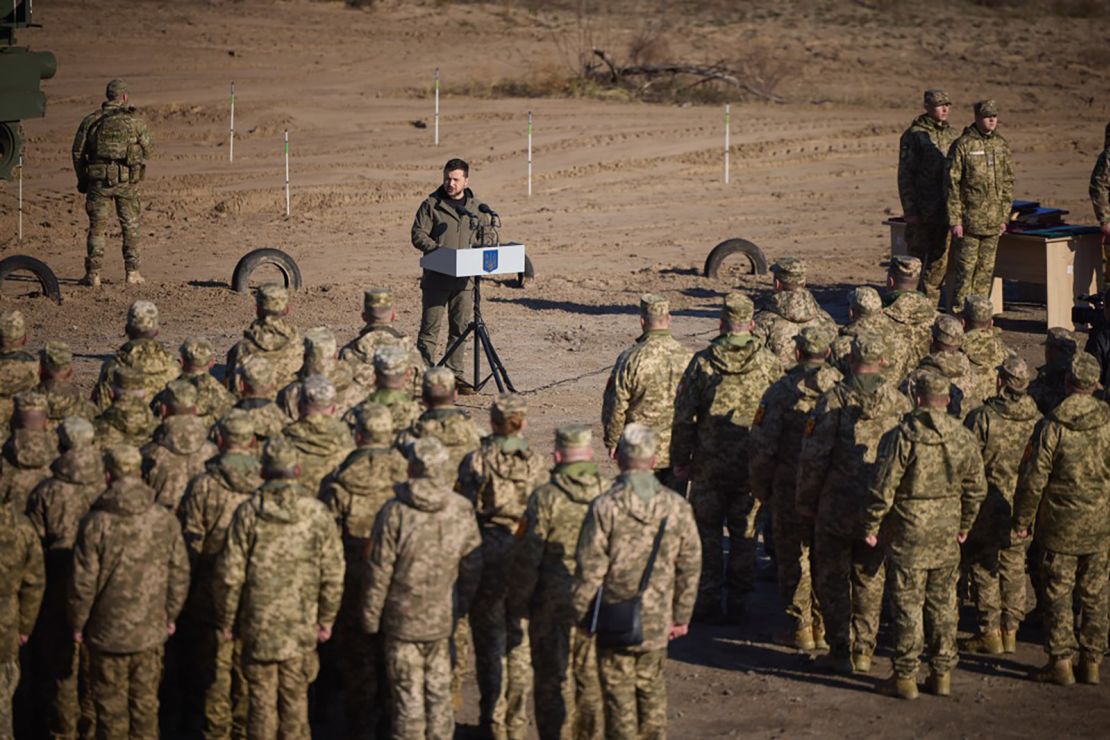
{"x": 1100, "y": 199}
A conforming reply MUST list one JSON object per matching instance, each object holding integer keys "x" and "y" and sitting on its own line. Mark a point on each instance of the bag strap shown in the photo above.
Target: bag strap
{"x": 651, "y": 558}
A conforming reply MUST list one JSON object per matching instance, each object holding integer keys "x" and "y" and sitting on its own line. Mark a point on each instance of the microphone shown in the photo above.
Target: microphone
{"x": 464, "y": 211}
{"x": 488, "y": 211}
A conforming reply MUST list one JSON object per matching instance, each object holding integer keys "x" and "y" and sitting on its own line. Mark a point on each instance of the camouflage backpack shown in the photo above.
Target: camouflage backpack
{"x": 111, "y": 136}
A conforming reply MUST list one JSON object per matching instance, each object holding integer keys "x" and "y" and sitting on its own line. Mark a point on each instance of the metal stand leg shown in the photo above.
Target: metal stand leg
{"x": 482, "y": 344}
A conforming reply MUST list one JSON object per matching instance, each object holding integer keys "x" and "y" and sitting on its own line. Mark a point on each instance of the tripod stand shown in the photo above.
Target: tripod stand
{"x": 482, "y": 343}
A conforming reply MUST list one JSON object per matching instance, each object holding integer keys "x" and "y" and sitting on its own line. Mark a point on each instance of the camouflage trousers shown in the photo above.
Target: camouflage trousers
{"x": 635, "y": 693}
{"x": 974, "y": 256}
{"x": 460, "y": 659}
{"x": 9, "y": 680}
{"x": 419, "y": 676}
{"x": 365, "y": 690}
{"x": 997, "y": 575}
{"x": 503, "y": 663}
{"x": 99, "y": 203}
{"x": 125, "y": 692}
{"x": 925, "y": 612}
{"x": 716, "y": 510}
{"x": 568, "y": 689}
{"x": 850, "y": 579}
{"x": 224, "y": 685}
{"x": 278, "y": 696}
{"x": 793, "y": 537}
{"x": 65, "y": 685}
{"x": 929, "y": 243}
{"x": 1070, "y": 579}
{"x": 458, "y": 306}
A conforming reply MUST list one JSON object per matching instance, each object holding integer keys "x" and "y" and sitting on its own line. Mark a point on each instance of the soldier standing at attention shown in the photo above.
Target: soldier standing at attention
{"x": 922, "y": 155}
{"x": 381, "y": 331}
{"x": 142, "y": 352}
{"x": 1063, "y": 495}
{"x": 63, "y": 396}
{"x": 18, "y": 369}
{"x": 788, "y": 310}
{"x": 1100, "y": 198}
{"x": 449, "y": 218}
{"x": 983, "y": 344}
{"x": 925, "y": 492}
{"x": 272, "y": 336}
{"x": 613, "y": 552}
{"x": 110, "y": 152}
{"x": 980, "y": 190}
{"x": 644, "y": 380}
{"x": 392, "y": 371}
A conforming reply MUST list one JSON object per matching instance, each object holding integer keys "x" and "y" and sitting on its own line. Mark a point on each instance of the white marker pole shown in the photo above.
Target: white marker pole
{"x": 231, "y": 130}
{"x": 437, "y": 108}
{"x": 20, "y": 197}
{"x": 287, "y": 173}
{"x": 728, "y": 115}
{"x": 529, "y": 154}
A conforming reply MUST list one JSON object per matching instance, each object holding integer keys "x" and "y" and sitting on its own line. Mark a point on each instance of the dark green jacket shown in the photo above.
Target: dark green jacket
{"x": 439, "y": 223}
{"x": 922, "y": 152}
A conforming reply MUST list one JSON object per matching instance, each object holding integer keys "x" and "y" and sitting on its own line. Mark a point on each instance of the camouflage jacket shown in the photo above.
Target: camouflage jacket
{"x": 205, "y": 514}
{"x": 1100, "y": 184}
{"x": 965, "y": 393}
{"x": 783, "y": 315}
{"x": 19, "y": 371}
{"x": 926, "y": 489}
{"x": 453, "y": 427}
{"x": 65, "y": 399}
{"x": 140, "y": 139}
{"x": 213, "y": 400}
{"x": 402, "y": 407}
{"x": 980, "y": 182}
{"x": 130, "y": 571}
{"x": 280, "y": 573}
{"x": 986, "y": 351}
{"x": 1063, "y": 489}
{"x": 22, "y": 580}
{"x": 614, "y": 546}
{"x": 1003, "y": 426}
{"x": 922, "y": 168}
{"x": 776, "y": 436}
{"x": 716, "y": 404}
{"x": 267, "y": 419}
{"x": 543, "y": 570}
{"x": 913, "y": 315}
{"x": 146, "y": 355}
{"x": 424, "y": 541}
{"x": 877, "y": 324}
{"x": 642, "y": 388}
{"x": 25, "y": 463}
{"x": 839, "y": 450}
{"x": 1047, "y": 389}
{"x": 276, "y": 339}
{"x": 324, "y": 442}
{"x": 359, "y": 352}
{"x": 128, "y": 421}
{"x": 497, "y": 477}
{"x": 178, "y": 452}
{"x": 349, "y": 391}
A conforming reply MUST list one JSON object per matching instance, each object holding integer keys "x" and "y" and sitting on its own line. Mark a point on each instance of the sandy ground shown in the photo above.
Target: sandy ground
{"x": 629, "y": 197}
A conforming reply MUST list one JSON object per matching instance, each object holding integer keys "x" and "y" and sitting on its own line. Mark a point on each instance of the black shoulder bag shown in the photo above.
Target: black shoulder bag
{"x": 618, "y": 624}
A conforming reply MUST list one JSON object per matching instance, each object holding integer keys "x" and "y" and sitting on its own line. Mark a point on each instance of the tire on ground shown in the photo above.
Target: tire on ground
{"x": 240, "y": 279}
{"x": 42, "y": 272}
{"x": 728, "y": 248}
{"x": 529, "y": 274}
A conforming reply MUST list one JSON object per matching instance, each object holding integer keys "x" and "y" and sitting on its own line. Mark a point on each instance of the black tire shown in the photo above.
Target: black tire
{"x": 529, "y": 274}
{"x": 241, "y": 278}
{"x": 729, "y": 247}
{"x": 42, "y": 272}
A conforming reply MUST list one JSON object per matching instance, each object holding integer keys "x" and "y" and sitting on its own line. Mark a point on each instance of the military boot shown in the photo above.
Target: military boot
{"x": 835, "y": 662}
{"x": 91, "y": 279}
{"x": 1057, "y": 671}
{"x": 899, "y": 687}
{"x": 939, "y": 684}
{"x": 800, "y": 639}
{"x": 1088, "y": 670}
{"x": 134, "y": 277}
{"x": 1009, "y": 641}
{"x": 984, "y": 643}
{"x": 819, "y": 642}
{"x": 861, "y": 663}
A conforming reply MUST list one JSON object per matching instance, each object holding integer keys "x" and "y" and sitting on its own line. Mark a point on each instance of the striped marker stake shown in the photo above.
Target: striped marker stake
{"x": 20, "y": 197}
{"x": 728, "y": 116}
{"x": 287, "y": 173}
{"x": 231, "y": 128}
{"x": 529, "y": 154}
{"x": 437, "y": 108}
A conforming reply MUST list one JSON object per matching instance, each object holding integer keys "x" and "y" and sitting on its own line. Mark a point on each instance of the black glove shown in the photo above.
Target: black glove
{"x": 82, "y": 186}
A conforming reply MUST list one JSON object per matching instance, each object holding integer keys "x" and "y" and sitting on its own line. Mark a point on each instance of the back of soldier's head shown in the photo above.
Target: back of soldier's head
{"x": 321, "y": 349}
{"x": 932, "y": 389}
{"x": 31, "y": 410}
{"x": 256, "y": 376}
{"x": 271, "y": 299}
{"x": 864, "y": 301}
{"x": 1083, "y": 373}
{"x": 280, "y": 459}
{"x": 814, "y": 342}
{"x": 373, "y": 424}
{"x": 76, "y": 432}
{"x": 508, "y": 412}
{"x": 56, "y": 360}
{"x": 13, "y": 329}
{"x": 790, "y": 273}
{"x": 637, "y": 447}
{"x": 904, "y": 272}
{"x": 317, "y": 396}
{"x": 1014, "y": 374}
{"x": 197, "y": 354}
{"x": 123, "y": 461}
{"x": 427, "y": 458}
{"x": 116, "y": 90}
{"x": 179, "y": 398}
{"x": 142, "y": 320}
{"x": 439, "y": 387}
{"x": 978, "y": 312}
{"x": 948, "y": 333}
{"x": 574, "y": 443}
{"x": 236, "y": 430}
{"x": 377, "y": 305}
{"x": 390, "y": 365}
{"x": 655, "y": 311}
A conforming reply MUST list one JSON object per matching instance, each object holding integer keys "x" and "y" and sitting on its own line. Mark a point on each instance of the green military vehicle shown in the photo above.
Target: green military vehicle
{"x": 20, "y": 72}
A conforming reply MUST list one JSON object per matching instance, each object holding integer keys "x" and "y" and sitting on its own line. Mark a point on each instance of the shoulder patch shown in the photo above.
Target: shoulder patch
{"x": 759, "y": 412}
{"x": 811, "y": 422}
{"x": 521, "y": 528}
{"x": 1028, "y": 451}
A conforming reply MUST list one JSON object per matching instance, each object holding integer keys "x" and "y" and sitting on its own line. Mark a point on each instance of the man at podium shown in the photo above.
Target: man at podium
{"x": 451, "y": 218}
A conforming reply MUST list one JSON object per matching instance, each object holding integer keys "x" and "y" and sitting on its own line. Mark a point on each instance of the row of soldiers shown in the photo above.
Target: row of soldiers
{"x": 905, "y": 441}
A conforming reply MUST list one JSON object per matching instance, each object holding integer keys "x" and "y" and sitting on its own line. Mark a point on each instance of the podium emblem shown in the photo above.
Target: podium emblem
{"x": 489, "y": 260}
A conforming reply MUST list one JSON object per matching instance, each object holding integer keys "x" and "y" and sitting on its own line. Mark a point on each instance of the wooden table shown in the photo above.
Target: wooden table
{"x": 1067, "y": 265}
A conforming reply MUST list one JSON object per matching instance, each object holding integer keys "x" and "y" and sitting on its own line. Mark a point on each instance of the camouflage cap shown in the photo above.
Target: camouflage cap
{"x": 320, "y": 342}
{"x": 197, "y": 351}
{"x": 390, "y": 360}
{"x": 1062, "y": 339}
{"x": 115, "y": 89}
{"x": 142, "y": 316}
{"x": 1084, "y": 371}
{"x": 258, "y": 373}
{"x": 272, "y": 299}
{"x": 31, "y": 401}
{"x": 737, "y": 308}
{"x": 986, "y": 109}
{"x": 128, "y": 379}
{"x": 936, "y": 96}
{"x": 12, "y": 326}
{"x": 181, "y": 394}
{"x": 948, "y": 330}
{"x": 978, "y": 309}
{"x": 280, "y": 455}
{"x": 814, "y": 340}
{"x": 509, "y": 405}
{"x": 123, "y": 460}
{"x": 319, "y": 392}
{"x": 428, "y": 456}
{"x": 865, "y": 300}
{"x": 653, "y": 304}
{"x": 56, "y": 356}
{"x": 376, "y": 300}
{"x": 573, "y": 437}
{"x": 237, "y": 426}
{"x": 373, "y": 420}
{"x": 76, "y": 431}
{"x": 637, "y": 442}
{"x": 868, "y": 348}
{"x": 1014, "y": 372}
{"x": 439, "y": 381}
{"x": 790, "y": 269}
{"x": 905, "y": 267}
{"x": 931, "y": 383}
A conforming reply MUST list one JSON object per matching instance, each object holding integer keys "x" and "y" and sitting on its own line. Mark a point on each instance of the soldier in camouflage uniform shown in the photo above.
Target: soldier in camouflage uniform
{"x": 62, "y": 396}
{"x": 714, "y": 409}
{"x": 56, "y": 508}
{"x": 392, "y": 380}
{"x": 29, "y": 452}
{"x": 774, "y": 445}
{"x": 321, "y": 438}
{"x": 129, "y": 419}
{"x": 1063, "y": 495}
{"x": 354, "y": 494}
{"x": 22, "y": 579}
{"x": 995, "y": 560}
{"x": 321, "y": 358}
{"x": 922, "y": 168}
{"x": 980, "y": 189}
{"x": 1048, "y": 388}
{"x": 110, "y": 152}
{"x": 18, "y": 368}
{"x": 642, "y": 386}
{"x": 271, "y": 336}
{"x": 444, "y": 420}
{"x": 838, "y": 454}
{"x": 1100, "y": 199}
{"x": 130, "y": 579}
{"x": 141, "y": 353}
{"x": 379, "y": 332}
{"x": 277, "y": 587}
{"x": 497, "y": 479}
{"x": 613, "y": 550}
{"x": 924, "y": 493}
{"x": 865, "y": 316}
{"x": 205, "y": 512}
{"x": 213, "y": 399}
{"x": 912, "y": 313}
{"x": 255, "y": 388}
{"x": 425, "y": 557}
{"x": 788, "y": 310}
{"x": 946, "y": 357}
{"x": 180, "y": 447}
{"x": 983, "y": 345}
{"x": 564, "y": 658}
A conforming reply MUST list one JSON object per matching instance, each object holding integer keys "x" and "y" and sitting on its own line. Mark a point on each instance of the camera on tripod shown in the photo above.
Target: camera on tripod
{"x": 1092, "y": 315}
